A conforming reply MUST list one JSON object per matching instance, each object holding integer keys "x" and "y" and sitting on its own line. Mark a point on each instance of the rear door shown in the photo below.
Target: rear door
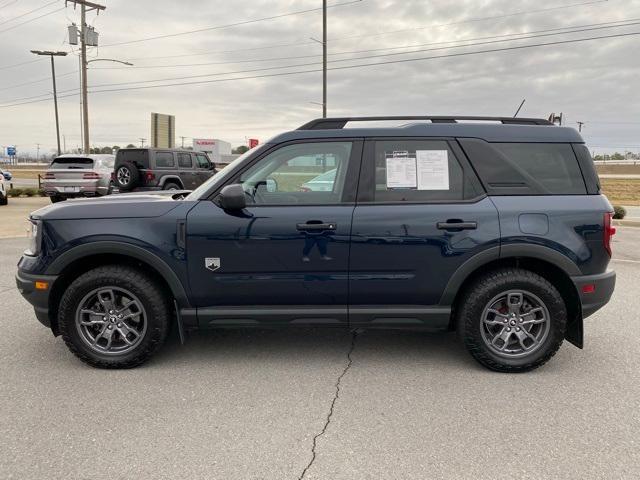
{"x": 186, "y": 171}
{"x": 421, "y": 214}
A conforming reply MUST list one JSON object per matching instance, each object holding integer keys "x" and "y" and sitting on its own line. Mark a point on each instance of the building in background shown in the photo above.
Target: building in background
{"x": 163, "y": 130}
{"x": 218, "y": 150}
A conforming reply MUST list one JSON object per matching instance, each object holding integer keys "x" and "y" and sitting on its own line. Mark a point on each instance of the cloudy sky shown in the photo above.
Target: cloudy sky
{"x": 236, "y": 78}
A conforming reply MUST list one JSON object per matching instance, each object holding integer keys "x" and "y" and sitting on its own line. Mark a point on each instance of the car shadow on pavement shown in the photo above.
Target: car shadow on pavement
{"x": 441, "y": 349}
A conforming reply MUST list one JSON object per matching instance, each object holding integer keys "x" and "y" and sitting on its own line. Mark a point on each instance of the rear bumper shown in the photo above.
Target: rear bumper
{"x": 38, "y": 298}
{"x": 78, "y": 189}
{"x": 602, "y": 285}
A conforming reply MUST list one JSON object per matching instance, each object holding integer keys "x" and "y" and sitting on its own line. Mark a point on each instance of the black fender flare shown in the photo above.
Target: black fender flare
{"x": 173, "y": 178}
{"x": 126, "y": 249}
{"x": 504, "y": 252}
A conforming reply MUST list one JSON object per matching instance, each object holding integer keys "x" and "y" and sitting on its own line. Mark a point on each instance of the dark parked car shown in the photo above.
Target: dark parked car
{"x": 161, "y": 169}
{"x": 497, "y": 230}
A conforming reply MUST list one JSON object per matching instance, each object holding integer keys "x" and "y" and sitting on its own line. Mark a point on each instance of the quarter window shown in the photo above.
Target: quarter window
{"x": 299, "y": 174}
{"x": 164, "y": 160}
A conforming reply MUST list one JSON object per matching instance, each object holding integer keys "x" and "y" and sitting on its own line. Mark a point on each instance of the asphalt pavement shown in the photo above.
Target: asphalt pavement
{"x": 268, "y": 404}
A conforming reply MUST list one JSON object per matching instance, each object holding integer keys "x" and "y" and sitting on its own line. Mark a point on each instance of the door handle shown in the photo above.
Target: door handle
{"x": 313, "y": 226}
{"x": 454, "y": 224}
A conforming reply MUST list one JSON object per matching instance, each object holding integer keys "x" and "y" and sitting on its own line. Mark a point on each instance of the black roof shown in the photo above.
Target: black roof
{"x": 491, "y": 129}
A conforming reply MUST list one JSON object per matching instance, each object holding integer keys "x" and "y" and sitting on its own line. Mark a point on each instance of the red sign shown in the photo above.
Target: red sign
{"x": 205, "y": 142}
{"x": 253, "y": 142}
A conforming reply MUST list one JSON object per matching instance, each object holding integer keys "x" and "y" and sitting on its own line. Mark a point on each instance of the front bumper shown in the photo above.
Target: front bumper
{"x": 594, "y": 290}
{"x": 26, "y": 284}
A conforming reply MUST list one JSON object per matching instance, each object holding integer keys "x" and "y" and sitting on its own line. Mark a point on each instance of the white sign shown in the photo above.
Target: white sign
{"x": 433, "y": 169}
{"x": 401, "y": 172}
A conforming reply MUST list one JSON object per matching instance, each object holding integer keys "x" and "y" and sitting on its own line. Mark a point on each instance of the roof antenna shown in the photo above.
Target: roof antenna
{"x": 518, "y": 111}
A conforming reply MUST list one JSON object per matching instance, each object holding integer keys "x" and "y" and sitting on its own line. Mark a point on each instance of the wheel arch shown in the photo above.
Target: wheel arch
{"x": 83, "y": 258}
{"x": 557, "y": 271}
{"x": 170, "y": 178}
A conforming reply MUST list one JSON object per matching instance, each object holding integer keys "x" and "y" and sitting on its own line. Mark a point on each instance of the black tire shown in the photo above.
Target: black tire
{"x": 153, "y": 299}
{"x": 4, "y": 200}
{"x": 477, "y": 298}
{"x": 127, "y": 176}
{"x": 57, "y": 198}
{"x": 171, "y": 186}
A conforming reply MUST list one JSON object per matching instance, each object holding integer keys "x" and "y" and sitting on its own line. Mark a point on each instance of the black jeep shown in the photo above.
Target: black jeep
{"x": 161, "y": 169}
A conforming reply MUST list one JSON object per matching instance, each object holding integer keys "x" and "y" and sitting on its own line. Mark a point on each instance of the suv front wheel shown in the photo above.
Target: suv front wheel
{"x": 512, "y": 320}
{"x": 114, "y": 317}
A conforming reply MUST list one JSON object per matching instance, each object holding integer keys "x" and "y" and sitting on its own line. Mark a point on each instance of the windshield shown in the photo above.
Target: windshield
{"x": 221, "y": 175}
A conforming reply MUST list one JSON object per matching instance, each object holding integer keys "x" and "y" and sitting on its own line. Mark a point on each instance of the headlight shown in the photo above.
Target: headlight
{"x": 34, "y": 238}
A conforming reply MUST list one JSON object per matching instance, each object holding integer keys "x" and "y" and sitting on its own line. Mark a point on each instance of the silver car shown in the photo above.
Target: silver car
{"x": 78, "y": 175}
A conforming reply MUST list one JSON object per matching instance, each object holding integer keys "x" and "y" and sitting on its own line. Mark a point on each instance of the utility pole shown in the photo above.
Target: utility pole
{"x": 182, "y": 138}
{"x": 85, "y": 6}
{"x": 37, "y": 152}
{"x": 324, "y": 58}
{"x": 141, "y": 141}
{"x": 580, "y": 126}
{"x": 55, "y": 93}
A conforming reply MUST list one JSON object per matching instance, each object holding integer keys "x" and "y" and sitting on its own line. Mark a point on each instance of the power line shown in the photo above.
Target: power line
{"x": 305, "y": 43}
{"x": 236, "y": 24}
{"x": 21, "y": 63}
{"x": 31, "y": 20}
{"x": 29, "y": 13}
{"x": 520, "y": 36}
{"x": 37, "y": 81}
{"x": 346, "y": 67}
{"x": 10, "y": 2}
{"x": 298, "y": 65}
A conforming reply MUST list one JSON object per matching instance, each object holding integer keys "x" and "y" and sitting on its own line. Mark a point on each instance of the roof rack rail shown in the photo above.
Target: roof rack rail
{"x": 339, "y": 123}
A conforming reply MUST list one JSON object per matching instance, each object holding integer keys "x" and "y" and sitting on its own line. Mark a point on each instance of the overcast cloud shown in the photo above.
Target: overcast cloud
{"x": 595, "y": 82}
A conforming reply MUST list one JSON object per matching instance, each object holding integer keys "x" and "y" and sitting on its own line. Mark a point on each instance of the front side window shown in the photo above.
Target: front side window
{"x": 299, "y": 174}
{"x": 203, "y": 161}
{"x": 418, "y": 171}
{"x": 164, "y": 160}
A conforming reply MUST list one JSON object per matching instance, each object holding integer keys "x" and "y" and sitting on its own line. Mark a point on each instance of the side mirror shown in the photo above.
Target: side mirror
{"x": 232, "y": 197}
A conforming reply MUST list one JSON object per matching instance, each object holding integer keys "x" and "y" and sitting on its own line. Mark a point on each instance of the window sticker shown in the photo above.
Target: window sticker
{"x": 401, "y": 170}
{"x": 432, "y": 169}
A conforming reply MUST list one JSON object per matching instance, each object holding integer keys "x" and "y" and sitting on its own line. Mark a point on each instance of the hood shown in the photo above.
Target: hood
{"x": 130, "y": 205}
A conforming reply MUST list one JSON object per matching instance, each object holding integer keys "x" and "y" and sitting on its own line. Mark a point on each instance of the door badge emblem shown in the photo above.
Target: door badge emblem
{"x": 212, "y": 264}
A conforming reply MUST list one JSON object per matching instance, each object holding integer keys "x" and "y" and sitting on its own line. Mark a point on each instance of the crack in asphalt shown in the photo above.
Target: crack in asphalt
{"x": 333, "y": 403}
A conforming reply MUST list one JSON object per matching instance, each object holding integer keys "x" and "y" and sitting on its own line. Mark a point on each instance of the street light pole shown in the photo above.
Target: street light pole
{"x": 55, "y": 93}
{"x": 324, "y": 58}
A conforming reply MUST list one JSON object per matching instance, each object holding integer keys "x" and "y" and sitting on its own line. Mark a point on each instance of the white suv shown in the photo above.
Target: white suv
{"x": 4, "y": 190}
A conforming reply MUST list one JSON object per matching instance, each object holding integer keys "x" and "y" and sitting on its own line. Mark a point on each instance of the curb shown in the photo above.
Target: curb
{"x": 626, "y": 223}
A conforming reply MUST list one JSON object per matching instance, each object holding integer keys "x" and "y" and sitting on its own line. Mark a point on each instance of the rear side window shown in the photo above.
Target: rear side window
{"x": 72, "y": 163}
{"x": 184, "y": 160}
{"x": 138, "y": 157}
{"x": 418, "y": 171}
{"x": 164, "y": 160}
{"x": 552, "y": 165}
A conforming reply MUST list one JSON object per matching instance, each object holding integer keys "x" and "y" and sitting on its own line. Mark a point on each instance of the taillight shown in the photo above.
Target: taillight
{"x": 149, "y": 177}
{"x": 91, "y": 176}
{"x": 49, "y": 176}
{"x": 609, "y": 231}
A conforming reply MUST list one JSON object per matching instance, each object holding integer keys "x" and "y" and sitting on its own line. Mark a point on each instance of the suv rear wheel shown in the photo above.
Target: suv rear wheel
{"x": 127, "y": 176}
{"x": 171, "y": 186}
{"x": 512, "y": 320}
{"x": 114, "y": 317}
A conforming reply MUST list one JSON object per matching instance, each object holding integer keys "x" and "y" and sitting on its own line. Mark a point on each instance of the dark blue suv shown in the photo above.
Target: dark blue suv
{"x": 493, "y": 227}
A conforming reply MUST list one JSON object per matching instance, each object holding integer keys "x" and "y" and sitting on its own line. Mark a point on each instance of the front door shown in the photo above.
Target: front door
{"x": 421, "y": 214}
{"x": 284, "y": 259}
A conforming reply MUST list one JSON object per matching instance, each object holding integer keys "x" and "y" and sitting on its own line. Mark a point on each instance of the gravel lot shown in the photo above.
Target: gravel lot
{"x": 248, "y": 404}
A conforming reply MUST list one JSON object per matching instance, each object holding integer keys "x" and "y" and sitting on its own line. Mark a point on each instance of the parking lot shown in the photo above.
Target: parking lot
{"x": 249, "y": 404}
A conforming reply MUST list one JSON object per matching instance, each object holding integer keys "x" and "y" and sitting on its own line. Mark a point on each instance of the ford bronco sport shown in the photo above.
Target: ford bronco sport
{"x": 495, "y": 229}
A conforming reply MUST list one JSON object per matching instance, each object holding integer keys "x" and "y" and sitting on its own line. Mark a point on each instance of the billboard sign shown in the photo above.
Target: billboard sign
{"x": 163, "y": 129}
{"x": 253, "y": 142}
